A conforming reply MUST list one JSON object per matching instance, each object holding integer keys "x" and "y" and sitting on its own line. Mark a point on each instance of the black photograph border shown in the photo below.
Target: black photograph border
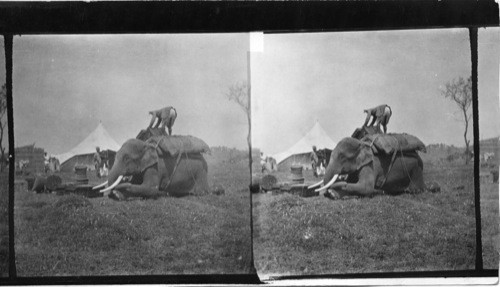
{"x": 24, "y": 18}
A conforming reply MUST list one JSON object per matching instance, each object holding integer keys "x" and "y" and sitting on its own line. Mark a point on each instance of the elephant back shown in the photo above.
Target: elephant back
{"x": 390, "y": 143}
{"x": 146, "y": 134}
{"x": 177, "y": 144}
{"x": 364, "y": 131}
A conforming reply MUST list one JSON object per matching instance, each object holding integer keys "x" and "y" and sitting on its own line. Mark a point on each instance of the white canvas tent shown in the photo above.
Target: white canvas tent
{"x": 299, "y": 153}
{"x": 97, "y": 138}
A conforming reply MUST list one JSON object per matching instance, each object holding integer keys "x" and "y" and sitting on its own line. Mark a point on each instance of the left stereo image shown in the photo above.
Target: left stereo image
{"x": 131, "y": 155}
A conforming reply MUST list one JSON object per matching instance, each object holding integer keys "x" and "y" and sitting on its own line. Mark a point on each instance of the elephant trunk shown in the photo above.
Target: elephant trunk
{"x": 114, "y": 177}
{"x": 331, "y": 174}
{"x": 117, "y": 169}
{"x": 334, "y": 167}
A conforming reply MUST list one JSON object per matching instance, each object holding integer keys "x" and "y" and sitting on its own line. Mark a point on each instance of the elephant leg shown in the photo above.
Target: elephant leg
{"x": 200, "y": 182}
{"x": 134, "y": 190}
{"x": 417, "y": 184}
{"x": 201, "y": 186}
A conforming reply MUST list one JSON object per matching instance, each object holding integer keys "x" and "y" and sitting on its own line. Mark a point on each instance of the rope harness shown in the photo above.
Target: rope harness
{"x": 406, "y": 169}
{"x": 175, "y": 169}
{"x": 158, "y": 143}
{"x": 176, "y": 165}
{"x": 173, "y": 172}
{"x": 391, "y": 164}
{"x": 373, "y": 141}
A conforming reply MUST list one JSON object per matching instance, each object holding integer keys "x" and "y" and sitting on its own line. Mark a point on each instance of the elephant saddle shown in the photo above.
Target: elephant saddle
{"x": 391, "y": 143}
{"x": 176, "y": 145}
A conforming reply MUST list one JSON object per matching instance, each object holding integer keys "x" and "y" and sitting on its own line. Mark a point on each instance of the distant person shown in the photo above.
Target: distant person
{"x": 314, "y": 160}
{"x": 320, "y": 168}
{"x": 104, "y": 160}
{"x": 97, "y": 161}
{"x": 46, "y": 161}
{"x": 105, "y": 169}
{"x": 263, "y": 161}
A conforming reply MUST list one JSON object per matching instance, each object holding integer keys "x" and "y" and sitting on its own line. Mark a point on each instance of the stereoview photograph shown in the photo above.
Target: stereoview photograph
{"x": 363, "y": 155}
{"x": 132, "y": 154}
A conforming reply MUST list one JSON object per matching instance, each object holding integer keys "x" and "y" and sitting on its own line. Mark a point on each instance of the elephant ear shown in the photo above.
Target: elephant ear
{"x": 174, "y": 145}
{"x": 365, "y": 156}
{"x": 149, "y": 158}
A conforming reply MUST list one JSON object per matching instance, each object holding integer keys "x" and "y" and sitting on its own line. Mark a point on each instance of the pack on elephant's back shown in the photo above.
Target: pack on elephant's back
{"x": 178, "y": 144}
{"x": 390, "y": 143}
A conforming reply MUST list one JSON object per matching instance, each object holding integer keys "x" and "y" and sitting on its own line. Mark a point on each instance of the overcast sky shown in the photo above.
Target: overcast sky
{"x": 64, "y": 85}
{"x": 333, "y": 77}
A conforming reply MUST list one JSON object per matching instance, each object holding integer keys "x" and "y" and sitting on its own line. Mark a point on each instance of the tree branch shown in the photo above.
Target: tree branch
{"x": 460, "y": 92}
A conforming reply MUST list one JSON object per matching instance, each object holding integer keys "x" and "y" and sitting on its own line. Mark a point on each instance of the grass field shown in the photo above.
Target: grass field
{"x": 71, "y": 235}
{"x": 489, "y": 224}
{"x": 420, "y": 232}
{"x": 4, "y": 226}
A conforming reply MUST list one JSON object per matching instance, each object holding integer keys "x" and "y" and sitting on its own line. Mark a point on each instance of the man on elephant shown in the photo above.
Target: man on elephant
{"x": 321, "y": 162}
{"x": 380, "y": 116}
{"x": 166, "y": 117}
{"x": 314, "y": 160}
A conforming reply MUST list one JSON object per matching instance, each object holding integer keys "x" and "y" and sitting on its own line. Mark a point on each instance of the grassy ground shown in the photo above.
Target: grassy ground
{"x": 423, "y": 232}
{"x": 73, "y": 235}
{"x": 489, "y": 224}
{"x": 4, "y": 227}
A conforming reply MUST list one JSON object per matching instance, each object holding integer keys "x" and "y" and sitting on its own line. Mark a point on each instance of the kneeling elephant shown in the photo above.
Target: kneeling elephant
{"x": 370, "y": 174}
{"x": 160, "y": 166}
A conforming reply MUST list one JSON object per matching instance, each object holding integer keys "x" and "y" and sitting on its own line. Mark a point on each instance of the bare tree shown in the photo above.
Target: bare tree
{"x": 239, "y": 93}
{"x": 460, "y": 92}
{"x": 3, "y": 123}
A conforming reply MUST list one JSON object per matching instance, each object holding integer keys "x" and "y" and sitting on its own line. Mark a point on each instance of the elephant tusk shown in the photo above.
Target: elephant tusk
{"x": 100, "y": 185}
{"x": 113, "y": 185}
{"x": 334, "y": 178}
{"x": 315, "y": 185}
